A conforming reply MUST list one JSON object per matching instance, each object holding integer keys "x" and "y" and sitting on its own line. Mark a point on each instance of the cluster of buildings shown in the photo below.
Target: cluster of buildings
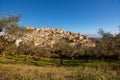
{"x": 48, "y": 37}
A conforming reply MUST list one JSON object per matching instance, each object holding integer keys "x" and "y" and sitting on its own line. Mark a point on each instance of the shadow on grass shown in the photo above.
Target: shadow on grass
{"x": 1, "y": 62}
{"x": 56, "y": 62}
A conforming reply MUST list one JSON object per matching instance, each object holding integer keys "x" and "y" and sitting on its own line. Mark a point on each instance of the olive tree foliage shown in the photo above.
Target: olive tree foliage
{"x": 117, "y": 45}
{"x": 29, "y": 49}
{"x": 109, "y": 45}
{"x": 25, "y": 49}
{"x": 105, "y": 35}
{"x": 6, "y": 47}
{"x": 77, "y": 51}
{"x": 62, "y": 49}
{"x": 7, "y": 21}
{"x": 9, "y": 25}
{"x": 38, "y": 51}
{"x": 3, "y": 45}
{"x": 105, "y": 44}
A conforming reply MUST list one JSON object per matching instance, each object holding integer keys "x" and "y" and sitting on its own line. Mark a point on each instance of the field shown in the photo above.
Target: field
{"x": 15, "y": 68}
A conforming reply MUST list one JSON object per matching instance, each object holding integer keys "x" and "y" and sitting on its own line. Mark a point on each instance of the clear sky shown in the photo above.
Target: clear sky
{"x": 84, "y": 16}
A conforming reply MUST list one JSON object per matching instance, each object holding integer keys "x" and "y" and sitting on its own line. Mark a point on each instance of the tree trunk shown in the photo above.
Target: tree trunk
{"x": 54, "y": 60}
{"x": 61, "y": 59}
{"x": 72, "y": 60}
{"x": 26, "y": 57}
{"x": 102, "y": 59}
{"x": 96, "y": 62}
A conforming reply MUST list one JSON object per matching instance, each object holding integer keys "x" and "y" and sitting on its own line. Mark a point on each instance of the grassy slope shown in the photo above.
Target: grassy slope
{"x": 14, "y": 68}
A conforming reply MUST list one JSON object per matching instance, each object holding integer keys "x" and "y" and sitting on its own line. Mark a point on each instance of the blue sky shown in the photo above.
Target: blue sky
{"x": 84, "y": 16}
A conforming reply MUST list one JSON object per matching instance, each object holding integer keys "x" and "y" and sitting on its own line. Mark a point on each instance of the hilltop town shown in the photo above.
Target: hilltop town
{"x": 48, "y": 36}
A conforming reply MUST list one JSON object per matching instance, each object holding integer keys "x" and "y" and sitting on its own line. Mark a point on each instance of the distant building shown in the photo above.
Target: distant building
{"x": 32, "y": 28}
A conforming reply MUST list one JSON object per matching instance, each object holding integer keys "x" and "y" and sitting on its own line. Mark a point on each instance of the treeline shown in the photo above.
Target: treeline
{"x": 107, "y": 47}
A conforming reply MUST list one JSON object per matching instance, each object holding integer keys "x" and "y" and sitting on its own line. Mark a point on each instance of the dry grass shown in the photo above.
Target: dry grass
{"x": 26, "y": 72}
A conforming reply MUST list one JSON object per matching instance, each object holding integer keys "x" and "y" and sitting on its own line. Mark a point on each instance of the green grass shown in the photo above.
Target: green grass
{"x": 15, "y": 68}
{"x": 19, "y": 59}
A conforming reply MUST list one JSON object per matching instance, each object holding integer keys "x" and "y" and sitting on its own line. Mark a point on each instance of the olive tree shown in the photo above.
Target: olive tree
{"x": 61, "y": 48}
{"x": 25, "y": 49}
{"x": 7, "y": 21}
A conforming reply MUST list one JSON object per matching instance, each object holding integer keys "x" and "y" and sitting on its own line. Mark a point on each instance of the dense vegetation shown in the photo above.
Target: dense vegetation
{"x": 107, "y": 51}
